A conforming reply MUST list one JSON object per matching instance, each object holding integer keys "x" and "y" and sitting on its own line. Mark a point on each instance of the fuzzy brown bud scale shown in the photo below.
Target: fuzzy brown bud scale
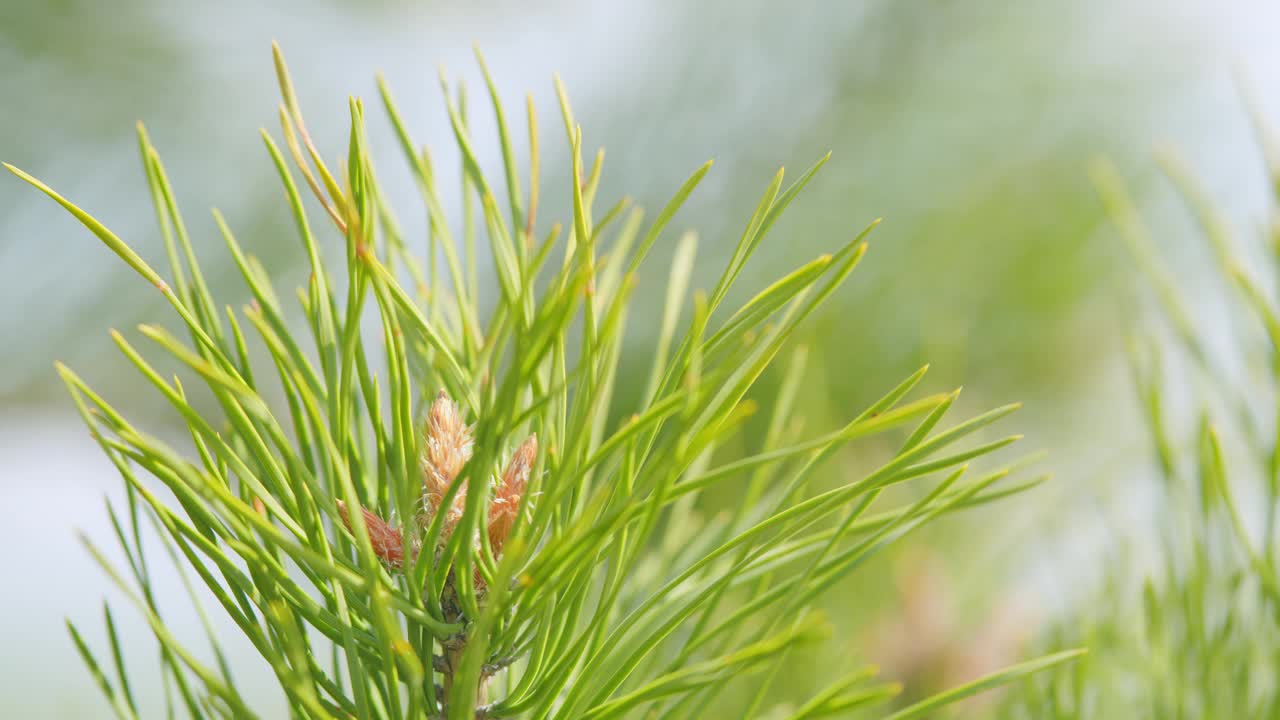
{"x": 506, "y": 498}
{"x": 447, "y": 446}
{"x": 385, "y": 538}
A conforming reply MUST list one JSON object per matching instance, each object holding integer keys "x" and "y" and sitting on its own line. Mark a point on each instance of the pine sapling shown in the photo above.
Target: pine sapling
{"x": 415, "y": 504}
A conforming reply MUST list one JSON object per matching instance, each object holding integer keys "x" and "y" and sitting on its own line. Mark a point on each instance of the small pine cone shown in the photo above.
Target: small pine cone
{"x": 385, "y": 538}
{"x": 448, "y": 448}
{"x": 506, "y": 498}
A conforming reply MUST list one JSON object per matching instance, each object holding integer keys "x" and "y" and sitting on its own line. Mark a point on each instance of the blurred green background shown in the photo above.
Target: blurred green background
{"x": 967, "y": 125}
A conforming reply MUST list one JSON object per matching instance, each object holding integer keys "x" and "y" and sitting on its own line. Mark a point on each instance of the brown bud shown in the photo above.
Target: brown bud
{"x": 383, "y": 536}
{"x": 506, "y": 497}
{"x": 448, "y": 448}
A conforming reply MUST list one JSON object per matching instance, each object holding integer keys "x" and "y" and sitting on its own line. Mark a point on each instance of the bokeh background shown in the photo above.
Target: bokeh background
{"x": 966, "y": 124}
